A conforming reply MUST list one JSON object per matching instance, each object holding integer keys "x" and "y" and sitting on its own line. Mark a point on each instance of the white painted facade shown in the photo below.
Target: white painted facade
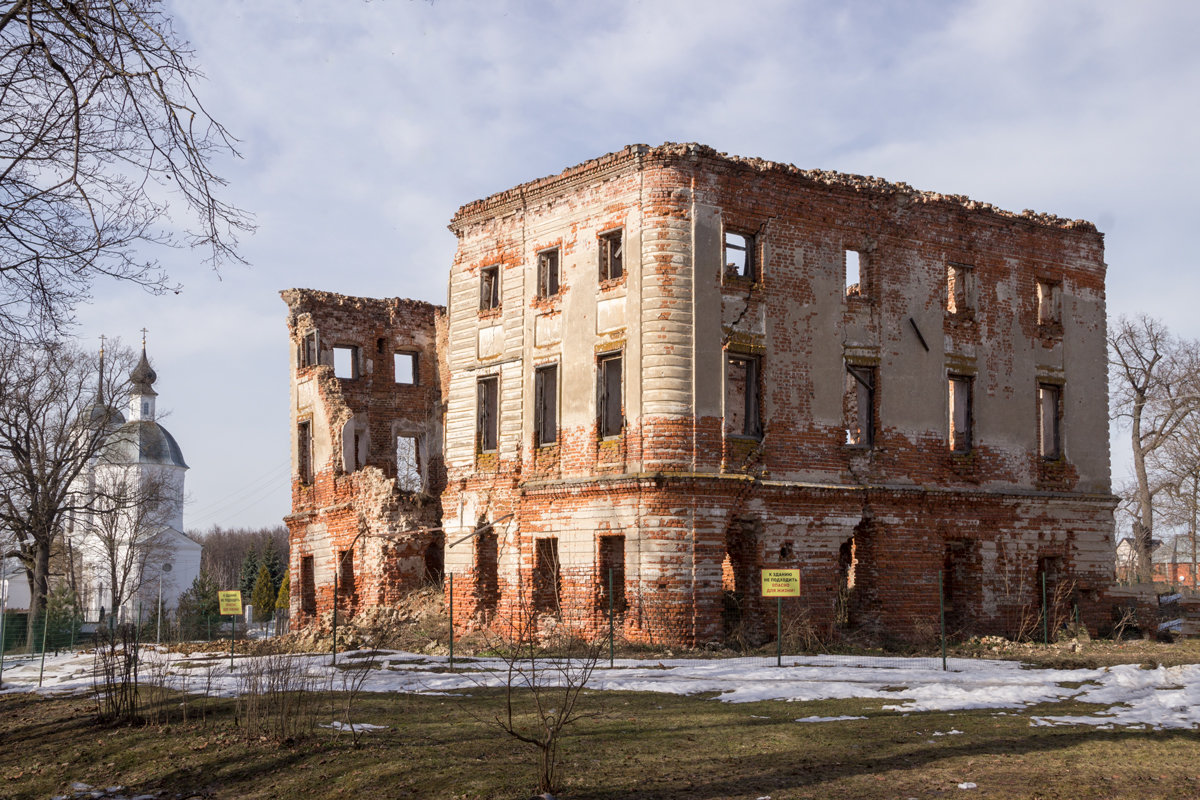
{"x": 132, "y": 556}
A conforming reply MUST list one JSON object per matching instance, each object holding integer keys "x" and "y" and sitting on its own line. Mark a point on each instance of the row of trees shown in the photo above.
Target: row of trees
{"x": 1155, "y": 391}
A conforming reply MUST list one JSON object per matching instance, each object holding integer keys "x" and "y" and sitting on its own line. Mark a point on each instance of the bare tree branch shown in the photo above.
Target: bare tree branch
{"x": 101, "y": 134}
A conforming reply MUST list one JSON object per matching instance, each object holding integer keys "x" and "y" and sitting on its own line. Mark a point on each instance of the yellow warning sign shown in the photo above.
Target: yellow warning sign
{"x": 781, "y": 583}
{"x": 231, "y": 602}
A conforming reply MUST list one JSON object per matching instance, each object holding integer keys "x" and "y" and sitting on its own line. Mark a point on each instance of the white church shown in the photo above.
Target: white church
{"x": 131, "y": 545}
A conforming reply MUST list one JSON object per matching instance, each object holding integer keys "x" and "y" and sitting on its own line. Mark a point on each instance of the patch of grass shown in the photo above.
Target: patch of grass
{"x": 632, "y": 745}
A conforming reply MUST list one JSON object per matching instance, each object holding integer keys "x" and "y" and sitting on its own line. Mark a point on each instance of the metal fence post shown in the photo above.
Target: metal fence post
{"x": 779, "y": 632}
{"x": 1045, "y": 612}
{"x": 42, "y": 670}
{"x": 942, "y": 613}
{"x": 611, "y": 627}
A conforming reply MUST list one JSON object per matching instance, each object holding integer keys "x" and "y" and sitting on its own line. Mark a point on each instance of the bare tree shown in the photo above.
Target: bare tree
{"x": 53, "y": 424}
{"x": 1177, "y": 466}
{"x": 1156, "y": 389}
{"x": 101, "y": 135}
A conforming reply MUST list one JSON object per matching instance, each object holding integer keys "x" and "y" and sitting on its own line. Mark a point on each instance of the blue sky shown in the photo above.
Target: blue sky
{"x": 365, "y": 125}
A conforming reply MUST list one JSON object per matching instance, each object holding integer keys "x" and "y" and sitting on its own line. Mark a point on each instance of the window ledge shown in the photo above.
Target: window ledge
{"x": 610, "y": 284}
{"x": 491, "y": 313}
{"x": 740, "y": 283}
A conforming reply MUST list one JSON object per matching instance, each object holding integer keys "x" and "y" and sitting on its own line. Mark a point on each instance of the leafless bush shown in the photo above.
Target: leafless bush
{"x": 354, "y": 669}
{"x": 542, "y": 691}
{"x": 115, "y": 674}
{"x": 276, "y": 697}
{"x": 155, "y": 692}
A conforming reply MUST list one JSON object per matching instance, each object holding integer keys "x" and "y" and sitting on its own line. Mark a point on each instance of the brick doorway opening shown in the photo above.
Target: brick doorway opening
{"x": 741, "y": 610}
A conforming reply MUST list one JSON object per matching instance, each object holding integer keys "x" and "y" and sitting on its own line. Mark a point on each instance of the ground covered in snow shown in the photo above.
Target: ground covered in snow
{"x": 1130, "y": 695}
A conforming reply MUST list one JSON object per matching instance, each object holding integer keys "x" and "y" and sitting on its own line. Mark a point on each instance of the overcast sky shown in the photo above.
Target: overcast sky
{"x": 365, "y": 125}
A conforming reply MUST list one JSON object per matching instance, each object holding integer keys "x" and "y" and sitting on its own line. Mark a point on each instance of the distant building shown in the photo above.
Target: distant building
{"x": 14, "y": 585}
{"x": 132, "y": 541}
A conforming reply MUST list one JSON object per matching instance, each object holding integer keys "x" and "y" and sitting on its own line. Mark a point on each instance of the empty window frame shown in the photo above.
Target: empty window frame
{"x": 547, "y": 582}
{"x": 860, "y": 405}
{"x": 487, "y": 414}
{"x": 1049, "y": 302}
{"x": 547, "y": 272}
{"x": 309, "y": 353}
{"x": 487, "y": 557}
{"x": 408, "y": 464}
{"x": 740, "y": 261}
{"x": 611, "y": 565}
{"x": 960, "y": 288}
{"x": 612, "y": 256}
{"x": 489, "y": 287}
{"x": 345, "y": 361}
{"x": 960, "y": 413}
{"x": 742, "y": 393}
{"x": 608, "y": 385}
{"x": 854, "y": 261}
{"x": 304, "y": 452}
{"x": 405, "y": 364}
{"x": 345, "y": 568}
{"x": 308, "y": 586}
{"x": 1049, "y": 421}
{"x": 545, "y": 405}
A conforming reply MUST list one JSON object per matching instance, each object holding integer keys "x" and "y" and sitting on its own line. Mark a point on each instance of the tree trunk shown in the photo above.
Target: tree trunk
{"x": 41, "y": 588}
{"x": 1143, "y": 525}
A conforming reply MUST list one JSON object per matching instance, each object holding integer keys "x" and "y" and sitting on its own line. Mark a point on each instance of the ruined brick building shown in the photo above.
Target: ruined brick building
{"x": 679, "y": 367}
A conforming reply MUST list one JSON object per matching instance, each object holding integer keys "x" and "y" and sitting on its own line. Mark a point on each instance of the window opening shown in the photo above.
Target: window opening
{"x": 846, "y": 564}
{"x": 304, "y": 452}
{"x": 358, "y": 460}
{"x": 545, "y": 405}
{"x": 547, "y": 582}
{"x": 739, "y": 255}
{"x": 346, "y": 573}
{"x": 959, "y": 590}
{"x": 612, "y": 563}
{"x": 487, "y": 425}
{"x": 854, "y": 286}
{"x": 435, "y": 560}
{"x": 611, "y": 413}
{"x": 308, "y": 586}
{"x": 380, "y": 345}
{"x": 860, "y": 405}
{"x": 489, "y": 287}
{"x": 547, "y": 265}
{"x": 741, "y": 582}
{"x": 345, "y": 361}
{"x": 612, "y": 256}
{"x": 742, "y": 390}
{"x": 1049, "y": 421}
{"x": 1048, "y": 302}
{"x": 308, "y": 350}
{"x": 405, "y": 364}
{"x": 960, "y": 288}
{"x": 960, "y": 413}
{"x": 486, "y": 569}
{"x": 408, "y": 464}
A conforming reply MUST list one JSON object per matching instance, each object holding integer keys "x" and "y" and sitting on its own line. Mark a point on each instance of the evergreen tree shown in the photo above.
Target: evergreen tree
{"x": 263, "y": 596}
{"x": 270, "y": 556}
{"x": 249, "y": 575}
{"x": 198, "y": 606}
{"x": 284, "y": 599}
{"x": 62, "y": 621}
